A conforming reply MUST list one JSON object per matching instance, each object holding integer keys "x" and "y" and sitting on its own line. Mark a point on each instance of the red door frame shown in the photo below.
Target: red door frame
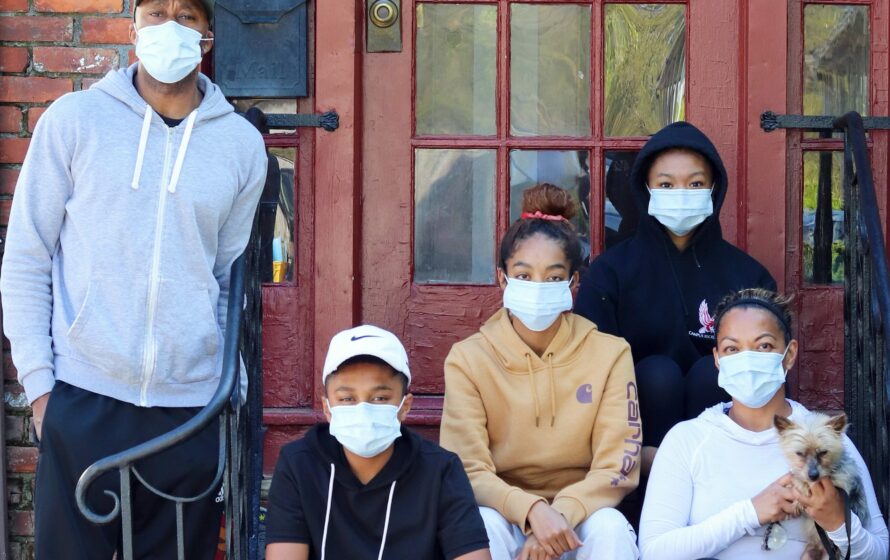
{"x": 748, "y": 71}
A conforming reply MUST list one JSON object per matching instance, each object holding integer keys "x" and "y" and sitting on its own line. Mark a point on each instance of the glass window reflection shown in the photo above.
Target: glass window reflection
{"x": 550, "y": 70}
{"x": 645, "y": 67}
{"x": 456, "y": 49}
{"x": 621, "y": 213}
{"x": 823, "y": 217}
{"x": 278, "y": 249}
{"x": 836, "y": 59}
{"x": 566, "y": 169}
{"x": 454, "y": 216}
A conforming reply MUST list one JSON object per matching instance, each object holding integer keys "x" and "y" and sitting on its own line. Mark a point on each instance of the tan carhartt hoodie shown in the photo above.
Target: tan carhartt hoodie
{"x": 562, "y": 427}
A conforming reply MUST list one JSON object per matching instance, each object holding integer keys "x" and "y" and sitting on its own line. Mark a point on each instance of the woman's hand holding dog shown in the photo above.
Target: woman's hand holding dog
{"x": 824, "y": 504}
{"x": 776, "y": 502}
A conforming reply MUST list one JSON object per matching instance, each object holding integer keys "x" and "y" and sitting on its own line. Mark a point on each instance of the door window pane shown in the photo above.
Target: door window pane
{"x": 550, "y": 70}
{"x": 566, "y": 169}
{"x": 645, "y": 67}
{"x": 456, "y": 68}
{"x": 454, "y": 216}
{"x": 621, "y": 214}
{"x": 836, "y": 52}
{"x": 278, "y": 250}
{"x": 823, "y": 217}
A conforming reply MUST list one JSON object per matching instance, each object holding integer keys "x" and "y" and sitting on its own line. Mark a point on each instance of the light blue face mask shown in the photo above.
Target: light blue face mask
{"x": 680, "y": 210}
{"x": 537, "y": 304}
{"x": 366, "y": 429}
{"x": 170, "y": 51}
{"x": 752, "y": 378}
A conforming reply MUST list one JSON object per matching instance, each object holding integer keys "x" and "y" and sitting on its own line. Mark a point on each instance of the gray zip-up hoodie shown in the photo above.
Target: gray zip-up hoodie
{"x": 120, "y": 241}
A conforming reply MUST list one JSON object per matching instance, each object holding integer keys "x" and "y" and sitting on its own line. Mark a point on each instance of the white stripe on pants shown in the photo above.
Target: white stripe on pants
{"x": 605, "y": 534}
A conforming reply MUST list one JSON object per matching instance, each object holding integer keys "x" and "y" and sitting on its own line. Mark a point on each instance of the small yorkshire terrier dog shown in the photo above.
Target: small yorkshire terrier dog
{"x": 814, "y": 448}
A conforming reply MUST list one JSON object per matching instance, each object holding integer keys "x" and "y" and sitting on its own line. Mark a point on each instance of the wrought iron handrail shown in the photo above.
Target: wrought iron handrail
{"x": 867, "y": 309}
{"x": 125, "y": 460}
{"x": 866, "y": 293}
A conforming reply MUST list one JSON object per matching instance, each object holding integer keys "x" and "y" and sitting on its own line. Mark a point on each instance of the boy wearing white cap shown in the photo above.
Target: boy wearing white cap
{"x": 363, "y": 486}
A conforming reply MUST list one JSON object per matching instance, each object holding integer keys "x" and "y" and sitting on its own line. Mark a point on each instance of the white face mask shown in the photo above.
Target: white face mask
{"x": 365, "y": 429}
{"x": 169, "y": 52}
{"x": 752, "y": 378}
{"x": 680, "y": 210}
{"x": 537, "y": 304}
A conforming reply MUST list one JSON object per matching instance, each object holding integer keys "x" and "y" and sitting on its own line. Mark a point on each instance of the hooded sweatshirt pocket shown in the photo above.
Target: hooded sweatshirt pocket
{"x": 109, "y": 329}
{"x": 187, "y": 333}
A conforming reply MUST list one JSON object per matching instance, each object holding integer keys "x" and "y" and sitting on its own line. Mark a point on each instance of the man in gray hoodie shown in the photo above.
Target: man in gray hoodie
{"x": 134, "y": 199}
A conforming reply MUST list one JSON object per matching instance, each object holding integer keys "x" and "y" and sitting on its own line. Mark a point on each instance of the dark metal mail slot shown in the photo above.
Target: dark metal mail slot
{"x": 261, "y": 48}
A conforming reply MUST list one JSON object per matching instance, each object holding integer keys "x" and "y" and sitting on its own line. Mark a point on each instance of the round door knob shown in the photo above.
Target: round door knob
{"x": 384, "y": 13}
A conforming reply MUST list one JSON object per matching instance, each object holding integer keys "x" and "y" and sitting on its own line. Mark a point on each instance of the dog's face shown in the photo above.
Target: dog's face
{"x": 812, "y": 446}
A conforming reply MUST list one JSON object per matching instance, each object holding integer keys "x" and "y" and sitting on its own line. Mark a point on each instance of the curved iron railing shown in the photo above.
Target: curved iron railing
{"x": 866, "y": 310}
{"x": 866, "y": 292}
{"x": 224, "y": 404}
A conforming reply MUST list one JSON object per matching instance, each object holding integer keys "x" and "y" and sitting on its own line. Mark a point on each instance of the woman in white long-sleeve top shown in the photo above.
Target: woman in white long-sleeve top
{"x": 719, "y": 480}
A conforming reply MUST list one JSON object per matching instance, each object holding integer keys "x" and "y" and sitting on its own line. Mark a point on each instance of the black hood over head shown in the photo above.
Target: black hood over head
{"x": 679, "y": 135}
{"x": 659, "y": 298}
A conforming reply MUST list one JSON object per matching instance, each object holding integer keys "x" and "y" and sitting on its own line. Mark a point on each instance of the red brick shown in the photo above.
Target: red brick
{"x": 10, "y": 119}
{"x": 87, "y": 83}
{"x": 106, "y": 31}
{"x": 13, "y": 5}
{"x": 13, "y": 59}
{"x": 13, "y": 150}
{"x": 37, "y": 28}
{"x": 34, "y": 113}
{"x": 9, "y": 371}
{"x": 80, "y": 6}
{"x": 131, "y": 57}
{"x": 74, "y": 59}
{"x": 8, "y": 178}
{"x": 15, "y": 428}
{"x": 21, "y": 523}
{"x": 5, "y": 207}
{"x": 32, "y": 88}
{"x": 22, "y": 459}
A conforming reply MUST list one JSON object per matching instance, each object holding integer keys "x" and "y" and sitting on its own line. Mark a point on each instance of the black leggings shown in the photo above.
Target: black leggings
{"x": 668, "y": 395}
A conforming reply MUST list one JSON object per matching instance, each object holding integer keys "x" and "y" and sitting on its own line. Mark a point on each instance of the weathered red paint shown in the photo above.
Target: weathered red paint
{"x": 356, "y": 195}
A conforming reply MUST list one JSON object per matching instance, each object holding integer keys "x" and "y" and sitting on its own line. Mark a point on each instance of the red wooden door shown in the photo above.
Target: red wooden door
{"x": 489, "y": 97}
{"x": 399, "y": 211}
{"x": 833, "y": 60}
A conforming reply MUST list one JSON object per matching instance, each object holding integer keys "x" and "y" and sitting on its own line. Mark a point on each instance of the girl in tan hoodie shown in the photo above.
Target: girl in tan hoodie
{"x": 542, "y": 407}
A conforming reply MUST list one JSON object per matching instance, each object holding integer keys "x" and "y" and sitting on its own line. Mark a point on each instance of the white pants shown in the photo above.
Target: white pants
{"x": 605, "y": 534}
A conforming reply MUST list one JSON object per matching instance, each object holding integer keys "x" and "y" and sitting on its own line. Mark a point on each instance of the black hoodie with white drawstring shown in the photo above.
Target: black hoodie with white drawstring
{"x": 419, "y": 506}
{"x": 660, "y": 299}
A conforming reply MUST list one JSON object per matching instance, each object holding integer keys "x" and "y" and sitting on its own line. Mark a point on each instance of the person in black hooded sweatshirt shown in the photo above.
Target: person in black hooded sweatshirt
{"x": 659, "y": 288}
{"x": 363, "y": 487}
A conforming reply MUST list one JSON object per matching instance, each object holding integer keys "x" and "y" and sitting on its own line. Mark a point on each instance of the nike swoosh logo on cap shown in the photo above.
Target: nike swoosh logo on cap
{"x": 354, "y": 338}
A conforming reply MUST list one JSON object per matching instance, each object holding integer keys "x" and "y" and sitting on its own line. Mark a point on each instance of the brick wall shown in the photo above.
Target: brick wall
{"x": 47, "y": 48}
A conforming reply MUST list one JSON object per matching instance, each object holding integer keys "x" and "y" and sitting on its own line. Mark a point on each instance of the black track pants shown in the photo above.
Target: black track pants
{"x": 81, "y": 427}
{"x": 669, "y": 395}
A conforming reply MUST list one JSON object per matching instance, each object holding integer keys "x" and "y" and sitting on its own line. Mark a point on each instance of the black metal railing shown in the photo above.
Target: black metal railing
{"x": 866, "y": 292}
{"x": 224, "y": 404}
{"x": 866, "y": 310}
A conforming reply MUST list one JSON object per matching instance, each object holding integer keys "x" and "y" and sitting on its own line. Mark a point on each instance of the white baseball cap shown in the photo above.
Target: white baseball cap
{"x": 366, "y": 340}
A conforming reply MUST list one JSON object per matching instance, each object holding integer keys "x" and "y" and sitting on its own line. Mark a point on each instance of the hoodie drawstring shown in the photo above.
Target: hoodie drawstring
{"x": 392, "y": 490}
{"x": 180, "y": 157}
{"x": 552, "y": 389}
{"x": 143, "y": 142}
{"x": 183, "y": 146}
{"x": 531, "y": 379}
{"x": 327, "y": 515}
